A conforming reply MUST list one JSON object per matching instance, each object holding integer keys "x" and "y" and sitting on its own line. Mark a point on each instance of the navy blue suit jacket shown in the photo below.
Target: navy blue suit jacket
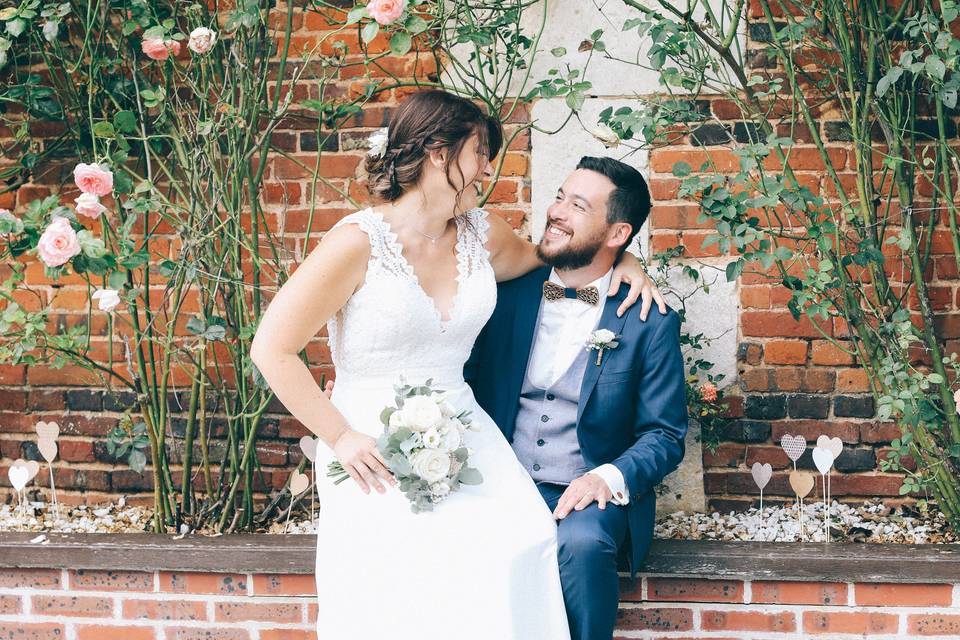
{"x": 632, "y": 410}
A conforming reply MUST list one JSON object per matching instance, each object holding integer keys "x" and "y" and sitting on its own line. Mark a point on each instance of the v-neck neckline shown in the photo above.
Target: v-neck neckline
{"x": 393, "y": 240}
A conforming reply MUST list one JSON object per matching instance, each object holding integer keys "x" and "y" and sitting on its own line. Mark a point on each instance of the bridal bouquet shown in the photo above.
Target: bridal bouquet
{"x": 422, "y": 443}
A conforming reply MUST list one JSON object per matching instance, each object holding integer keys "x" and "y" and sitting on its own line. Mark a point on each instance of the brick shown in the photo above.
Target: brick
{"x": 30, "y": 579}
{"x": 256, "y": 611}
{"x": 766, "y": 407}
{"x": 86, "y": 606}
{"x": 817, "y": 380}
{"x": 775, "y": 324}
{"x": 782, "y": 621}
{"x": 746, "y": 431}
{"x": 108, "y": 580}
{"x": 928, "y": 625}
{"x": 115, "y": 632}
{"x": 750, "y": 352}
{"x": 853, "y": 380}
{"x": 658, "y": 619}
{"x": 853, "y": 406}
{"x": 902, "y": 595}
{"x": 879, "y": 432}
{"x": 858, "y": 459}
{"x": 687, "y": 590}
{"x": 28, "y": 631}
{"x": 155, "y": 609}
{"x": 10, "y": 605}
{"x": 785, "y": 352}
{"x": 284, "y": 585}
{"x": 849, "y": 622}
{"x": 288, "y": 634}
{"x": 202, "y": 583}
{"x": 205, "y": 633}
{"x": 826, "y": 353}
{"x": 818, "y": 593}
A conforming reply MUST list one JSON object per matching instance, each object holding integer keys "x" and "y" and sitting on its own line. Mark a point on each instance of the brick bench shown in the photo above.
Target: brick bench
{"x": 247, "y": 587}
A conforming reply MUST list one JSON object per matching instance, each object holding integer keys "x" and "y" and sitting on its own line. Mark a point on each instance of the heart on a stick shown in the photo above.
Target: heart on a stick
{"x": 802, "y": 483}
{"x": 834, "y": 445}
{"x": 298, "y": 483}
{"x": 47, "y": 434}
{"x": 761, "y": 474}
{"x": 823, "y": 458}
{"x": 793, "y": 446}
{"x": 19, "y": 476}
{"x": 308, "y": 444}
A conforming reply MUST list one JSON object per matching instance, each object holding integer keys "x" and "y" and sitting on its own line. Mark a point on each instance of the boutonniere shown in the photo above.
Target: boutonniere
{"x": 601, "y": 340}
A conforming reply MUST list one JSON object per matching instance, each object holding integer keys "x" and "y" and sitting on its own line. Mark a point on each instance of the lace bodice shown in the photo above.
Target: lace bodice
{"x": 391, "y": 327}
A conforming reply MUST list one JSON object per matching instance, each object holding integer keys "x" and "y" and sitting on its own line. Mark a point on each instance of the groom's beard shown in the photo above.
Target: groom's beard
{"x": 574, "y": 255}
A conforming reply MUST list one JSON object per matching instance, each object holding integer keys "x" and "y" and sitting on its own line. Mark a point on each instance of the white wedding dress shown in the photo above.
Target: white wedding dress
{"x": 483, "y": 564}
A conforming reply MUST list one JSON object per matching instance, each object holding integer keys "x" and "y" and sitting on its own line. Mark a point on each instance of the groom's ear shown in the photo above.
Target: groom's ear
{"x": 620, "y": 234}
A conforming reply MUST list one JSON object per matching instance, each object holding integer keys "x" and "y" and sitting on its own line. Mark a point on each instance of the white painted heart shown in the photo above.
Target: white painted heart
{"x": 802, "y": 483}
{"x": 793, "y": 446}
{"x": 19, "y": 476}
{"x": 834, "y": 445}
{"x": 308, "y": 444}
{"x": 48, "y": 430}
{"x": 823, "y": 458}
{"x": 298, "y": 483}
{"x": 761, "y": 474}
{"x": 48, "y": 449}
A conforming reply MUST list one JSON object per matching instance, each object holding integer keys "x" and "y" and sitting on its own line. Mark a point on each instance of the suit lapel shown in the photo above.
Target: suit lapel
{"x": 526, "y": 312}
{"x": 608, "y": 320}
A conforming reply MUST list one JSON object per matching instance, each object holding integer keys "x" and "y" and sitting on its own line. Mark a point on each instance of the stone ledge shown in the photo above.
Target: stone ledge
{"x": 293, "y": 554}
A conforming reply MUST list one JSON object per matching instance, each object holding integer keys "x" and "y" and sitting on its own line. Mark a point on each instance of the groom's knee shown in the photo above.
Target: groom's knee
{"x": 585, "y": 541}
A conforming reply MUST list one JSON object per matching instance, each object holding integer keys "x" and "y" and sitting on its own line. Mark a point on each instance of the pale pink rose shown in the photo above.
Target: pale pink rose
{"x": 58, "y": 243}
{"x": 92, "y": 178}
{"x": 956, "y": 399}
{"x": 386, "y": 11}
{"x": 202, "y": 40}
{"x": 107, "y": 299}
{"x": 709, "y": 392}
{"x": 89, "y": 205}
{"x": 159, "y": 49}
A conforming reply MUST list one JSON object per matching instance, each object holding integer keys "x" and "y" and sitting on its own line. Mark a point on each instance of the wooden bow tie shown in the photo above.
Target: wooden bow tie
{"x": 553, "y": 291}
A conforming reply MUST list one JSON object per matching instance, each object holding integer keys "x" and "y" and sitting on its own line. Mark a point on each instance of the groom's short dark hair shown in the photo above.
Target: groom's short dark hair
{"x": 630, "y": 200}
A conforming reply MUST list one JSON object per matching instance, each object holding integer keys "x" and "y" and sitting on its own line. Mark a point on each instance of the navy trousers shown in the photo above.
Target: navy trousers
{"x": 588, "y": 544}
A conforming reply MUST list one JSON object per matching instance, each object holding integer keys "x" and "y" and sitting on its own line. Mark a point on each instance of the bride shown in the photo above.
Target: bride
{"x": 404, "y": 288}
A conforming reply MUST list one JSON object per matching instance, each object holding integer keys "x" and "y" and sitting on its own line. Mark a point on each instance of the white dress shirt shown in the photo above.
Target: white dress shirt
{"x": 565, "y": 326}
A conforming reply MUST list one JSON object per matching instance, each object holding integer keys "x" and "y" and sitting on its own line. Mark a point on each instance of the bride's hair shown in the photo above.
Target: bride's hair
{"x": 426, "y": 121}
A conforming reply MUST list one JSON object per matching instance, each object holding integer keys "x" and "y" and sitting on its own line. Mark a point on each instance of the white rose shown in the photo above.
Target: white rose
{"x": 432, "y": 439}
{"x": 108, "y": 299}
{"x": 396, "y": 421}
{"x": 202, "y": 40}
{"x": 420, "y": 413}
{"x": 447, "y": 409}
{"x": 432, "y": 465}
{"x": 606, "y": 135}
{"x": 451, "y": 435}
{"x": 603, "y": 335}
{"x": 378, "y": 143}
{"x": 89, "y": 205}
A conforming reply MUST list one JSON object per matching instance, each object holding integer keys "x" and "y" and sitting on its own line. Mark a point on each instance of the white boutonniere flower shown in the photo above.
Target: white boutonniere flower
{"x": 601, "y": 340}
{"x": 378, "y": 142}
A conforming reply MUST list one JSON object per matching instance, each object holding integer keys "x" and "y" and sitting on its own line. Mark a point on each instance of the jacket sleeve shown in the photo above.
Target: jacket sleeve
{"x": 660, "y": 424}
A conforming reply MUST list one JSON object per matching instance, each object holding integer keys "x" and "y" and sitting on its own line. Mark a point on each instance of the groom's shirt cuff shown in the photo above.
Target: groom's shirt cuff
{"x": 614, "y": 479}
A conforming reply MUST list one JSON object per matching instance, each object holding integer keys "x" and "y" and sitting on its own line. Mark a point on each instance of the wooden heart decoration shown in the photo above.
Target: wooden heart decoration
{"x": 48, "y": 430}
{"x": 793, "y": 446}
{"x": 823, "y": 458}
{"x": 308, "y": 444}
{"x": 802, "y": 483}
{"x": 298, "y": 483}
{"x": 19, "y": 475}
{"x": 761, "y": 474}
{"x": 48, "y": 449}
{"x": 834, "y": 445}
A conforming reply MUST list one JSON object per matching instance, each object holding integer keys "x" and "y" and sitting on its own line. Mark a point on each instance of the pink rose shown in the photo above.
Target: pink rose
{"x": 202, "y": 40}
{"x": 709, "y": 392}
{"x": 159, "y": 49}
{"x": 58, "y": 243}
{"x": 92, "y": 178}
{"x": 89, "y": 205}
{"x": 386, "y": 11}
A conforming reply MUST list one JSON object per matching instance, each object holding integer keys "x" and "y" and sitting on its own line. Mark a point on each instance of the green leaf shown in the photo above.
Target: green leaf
{"x": 935, "y": 67}
{"x": 356, "y": 15}
{"x": 16, "y": 27}
{"x": 558, "y": 52}
{"x": 469, "y": 475}
{"x": 682, "y": 169}
{"x": 415, "y": 24}
{"x": 889, "y": 78}
{"x": 104, "y": 130}
{"x": 734, "y": 269}
{"x": 137, "y": 460}
{"x": 400, "y": 43}
{"x": 117, "y": 280}
{"x": 370, "y": 32}
{"x": 125, "y": 121}
{"x": 197, "y": 325}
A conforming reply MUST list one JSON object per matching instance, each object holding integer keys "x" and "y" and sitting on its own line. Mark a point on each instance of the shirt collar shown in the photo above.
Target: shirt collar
{"x": 602, "y": 283}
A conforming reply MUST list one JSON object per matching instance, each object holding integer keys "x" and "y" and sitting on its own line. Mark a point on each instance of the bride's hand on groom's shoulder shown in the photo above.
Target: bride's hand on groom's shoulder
{"x": 629, "y": 270}
{"x": 581, "y": 493}
{"x": 360, "y": 458}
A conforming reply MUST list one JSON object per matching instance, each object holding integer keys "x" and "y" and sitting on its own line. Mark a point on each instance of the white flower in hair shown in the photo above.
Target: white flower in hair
{"x": 378, "y": 142}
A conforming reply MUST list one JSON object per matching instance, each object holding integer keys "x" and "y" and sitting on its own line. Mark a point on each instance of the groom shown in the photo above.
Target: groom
{"x": 596, "y": 429}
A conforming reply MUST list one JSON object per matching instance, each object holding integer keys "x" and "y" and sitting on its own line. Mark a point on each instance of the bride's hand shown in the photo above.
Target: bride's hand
{"x": 361, "y": 459}
{"x": 630, "y": 270}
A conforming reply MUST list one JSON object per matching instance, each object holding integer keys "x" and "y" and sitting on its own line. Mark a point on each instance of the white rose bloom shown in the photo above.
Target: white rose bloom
{"x": 603, "y": 335}
{"x": 606, "y": 135}
{"x": 431, "y": 465}
{"x": 89, "y": 205}
{"x": 451, "y": 435}
{"x": 202, "y": 40}
{"x": 420, "y": 413}
{"x": 447, "y": 409}
{"x": 396, "y": 421}
{"x": 432, "y": 439}
{"x": 108, "y": 299}
{"x": 378, "y": 140}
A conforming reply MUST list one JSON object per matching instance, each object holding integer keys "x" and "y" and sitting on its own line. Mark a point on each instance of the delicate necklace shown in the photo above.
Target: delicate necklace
{"x": 433, "y": 239}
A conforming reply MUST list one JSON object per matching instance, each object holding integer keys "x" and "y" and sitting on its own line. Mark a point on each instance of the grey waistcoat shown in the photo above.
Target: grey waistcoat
{"x": 545, "y": 434}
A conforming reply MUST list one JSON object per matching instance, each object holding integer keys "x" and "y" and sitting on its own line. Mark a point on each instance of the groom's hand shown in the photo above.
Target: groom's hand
{"x": 581, "y": 493}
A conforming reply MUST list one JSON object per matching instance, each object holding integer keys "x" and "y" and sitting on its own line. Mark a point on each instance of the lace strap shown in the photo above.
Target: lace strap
{"x": 472, "y": 230}
{"x": 383, "y": 246}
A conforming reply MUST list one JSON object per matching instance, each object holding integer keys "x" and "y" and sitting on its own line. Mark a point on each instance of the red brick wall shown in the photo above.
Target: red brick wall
{"x": 41, "y": 604}
{"x": 791, "y": 380}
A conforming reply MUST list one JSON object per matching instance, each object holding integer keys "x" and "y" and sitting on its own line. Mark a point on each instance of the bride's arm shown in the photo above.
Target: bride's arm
{"x": 318, "y": 288}
{"x": 511, "y": 257}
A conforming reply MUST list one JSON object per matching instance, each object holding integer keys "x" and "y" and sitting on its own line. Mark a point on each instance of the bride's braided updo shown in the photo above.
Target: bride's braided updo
{"x": 426, "y": 121}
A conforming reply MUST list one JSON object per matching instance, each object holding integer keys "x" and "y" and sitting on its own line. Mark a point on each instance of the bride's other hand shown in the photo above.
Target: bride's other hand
{"x": 361, "y": 459}
{"x": 630, "y": 271}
